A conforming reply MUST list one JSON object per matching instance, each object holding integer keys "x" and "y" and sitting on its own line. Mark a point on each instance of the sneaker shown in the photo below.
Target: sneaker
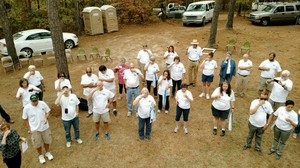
{"x": 202, "y": 94}
{"x": 158, "y": 111}
{"x": 49, "y": 156}
{"x": 215, "y": 131}
{"x": 88, "y": 115}
{"x": 245, "y": 147}
{"x": 207, "y": 96}
{"x": 185, "y": 130}
{"x": 137, "y": 115}
{"x": 79, "y": 141}
{"x": 68, "y": 144}
{"x": 278, "y": 157}
{"x": 96, "y": 136}
{"x": 176, "y": 129}
{"x": 270, "y": 152}
{"x": 166, "y": 112}
{"x": 119, "y": 98}
{"x": 295, "y": 135}
{"x": 115, "y": 112}
{"x": 148, "y": 138}
{"x": 42, "y": 159}
{"x": 128, "y": 114}
{"x": 223, "y": 133}
{"x": 107, "y": 136}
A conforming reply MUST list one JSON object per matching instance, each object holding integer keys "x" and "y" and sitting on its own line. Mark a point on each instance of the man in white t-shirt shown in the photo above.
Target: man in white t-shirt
{"x": 143, "y": 58}
{"x": 35, "y": 78}
{"x": 107, "y": 76}
{"x": 270, "y": 68}
{"x": 194, "y": 52}
{"x": 102, "y": 98}
{"x": 258, "y": 123}
{"x": 89, "y": 82}
{"x": 244, "y": 68}
{"x": 69, "y": 113}
{"x": 36, "y": 116}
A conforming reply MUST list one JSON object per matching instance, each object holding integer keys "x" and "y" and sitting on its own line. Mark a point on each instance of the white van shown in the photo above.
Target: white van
{"x": 198, "y": 13}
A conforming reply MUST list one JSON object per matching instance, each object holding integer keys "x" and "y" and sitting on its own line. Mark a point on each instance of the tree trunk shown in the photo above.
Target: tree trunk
{"x": 8, "y": 34}
{"x": 77, "y": 18}
{"x": 229, "y": 24}
{"x": 214, "y": 25}
{"x": 239, "y": 9}
{"x": 57, "y": 38}
{"x": 38, "y": 4}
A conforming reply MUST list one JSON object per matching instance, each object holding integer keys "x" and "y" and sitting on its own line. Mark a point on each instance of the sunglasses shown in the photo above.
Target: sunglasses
{"x": 89, "y": 72}
{"x": 61, "y": 76}
{"x": 263, "y": 98}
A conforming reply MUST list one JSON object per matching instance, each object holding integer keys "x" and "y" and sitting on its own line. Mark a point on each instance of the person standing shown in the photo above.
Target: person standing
{"x": 258, "y": 123}
{"x": 132, "y": 78}
{"x": 209, "y": 67}
{"x": 60, "y": 82}
{"x": 194, "y": 52}
{"x": 177, "y": 74}
{"x": 170, "y": 55}
{"x": 223, "y": 101}
{"x": 143, "y": 58}
{"x": 36, "y": 116}
{"x": 164, "y": 85}
{"x": 270, "y": 68}
{"x": 297, "y": 129}
{"x": 104, "y": 98}
{"x": 89, "y": 82}
{"x": 244, "y": 68}
{"x": 120, "y": 68}
{"x": 9, "y": 145}
{"x": 69, "y": 113}
{"x": 107, "y": 76}
{"x": 287, "y": 118}
{"x": 152, "y": 69}
{"x": 6, "y": 116}
{"x": 36, "y": 79}
{"x": 183, "y": 100}
{"x": 145, "y": 103}
{"x": 227, "y": 69}
{"x": 25, "y": 91}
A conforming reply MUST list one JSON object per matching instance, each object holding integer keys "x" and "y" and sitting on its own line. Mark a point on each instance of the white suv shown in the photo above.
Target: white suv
{"x": 198, "y": 13}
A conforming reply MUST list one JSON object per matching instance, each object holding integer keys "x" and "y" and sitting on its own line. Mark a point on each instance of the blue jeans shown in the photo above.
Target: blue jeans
{"x": 297, "y": 129}
{"x": 67, "y": 127}
{"x": 142, "y": 122}
{"x": 135, "y": 92}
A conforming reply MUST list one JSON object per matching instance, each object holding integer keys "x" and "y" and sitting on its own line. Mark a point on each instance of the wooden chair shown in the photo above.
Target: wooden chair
{"x": 7, "y": 63}
{"x": 231, "y": 45}
{"x": 50, "y": 56}
{"x": 69, "y": 54}
{"x": 95, "y": 52}
{"x": 23, "y": 58}
{"x": 37, "y": 57}
{"x": 106, "y": 55}
{"x": 245, "y": 47}
{"x": 81, "y": 53}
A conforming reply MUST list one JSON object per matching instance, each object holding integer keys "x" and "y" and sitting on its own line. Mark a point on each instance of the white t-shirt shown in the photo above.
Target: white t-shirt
{"x": 85, "y": 79}
{"x": 182, "y": 101}
{"x": 26, "y": 93}
{"x": 259, "y": 119}
{"x": 34, "y": 79}
{"x": 151, "y": 71}
{"x": 279, "y": 94}
{"x": 70, "y": 102}
{"x": 145, "y": 105}
{"x": 132, "y": 78}
{"x": 282, "y": 115}
{"x": 177, "y": 71}
{"x": 209, "y": 67}
{"x": 144, "y": 56}
{"x": 194, "y": 53}
{"x": 170, "y": 58}
{"x": 108, "y": 75}
{"x": 243, "y": 63}
{"x": 274, "y": 67}
{"x": 222, "y": 103}
{"x": 65, "y": 82}
{"x": 36, "y": 116}
{"x": 100, "y": 100}
{"x": 164, "y": 85}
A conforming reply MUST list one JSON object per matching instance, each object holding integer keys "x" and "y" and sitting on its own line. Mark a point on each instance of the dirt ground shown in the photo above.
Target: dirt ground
{"x": 199, "y": 148}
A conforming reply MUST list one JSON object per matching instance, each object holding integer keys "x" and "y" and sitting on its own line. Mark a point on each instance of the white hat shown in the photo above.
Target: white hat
{"x": 195, "y": 42}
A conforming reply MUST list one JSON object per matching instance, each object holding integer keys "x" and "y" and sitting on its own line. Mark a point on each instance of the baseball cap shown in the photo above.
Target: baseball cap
{"x": 65, "y": 87}
{"x": 34, "y": 97}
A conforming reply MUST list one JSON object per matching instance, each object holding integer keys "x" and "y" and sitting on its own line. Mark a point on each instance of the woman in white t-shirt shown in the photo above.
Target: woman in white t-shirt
{"x": 177, "y": 74}
{"x": 164, "y": 85}
{"x": 25, "y": 91}
{"x": 286, "y": 120}
{"x": 170, "y": 55}
{"x": 209, "y": 67}
{"x": 223, "y": 101}
{"x": 152, "y": 69}
{"x": 60, "y": 82}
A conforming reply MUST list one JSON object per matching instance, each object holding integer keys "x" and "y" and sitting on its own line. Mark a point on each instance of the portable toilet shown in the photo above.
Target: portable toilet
{"x": 110, "y": 20}
{"x": 92, "y": 17}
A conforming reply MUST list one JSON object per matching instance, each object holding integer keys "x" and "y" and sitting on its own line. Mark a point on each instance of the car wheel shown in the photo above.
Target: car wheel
{"x": 184, "y": 24}
{"x": 28, "y": 51}
{"x": 265, "y": 21}
{"x": 69, "y": 44}
{"x": 203, "y": 22}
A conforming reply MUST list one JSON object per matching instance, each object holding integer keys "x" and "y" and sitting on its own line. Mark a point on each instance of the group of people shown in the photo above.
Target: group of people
{"x": 100, "y": 92}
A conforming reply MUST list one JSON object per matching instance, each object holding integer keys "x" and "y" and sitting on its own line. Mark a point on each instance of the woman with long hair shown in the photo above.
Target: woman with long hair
{"x": 25, "y": 91}
{"x": 164, "y": 85}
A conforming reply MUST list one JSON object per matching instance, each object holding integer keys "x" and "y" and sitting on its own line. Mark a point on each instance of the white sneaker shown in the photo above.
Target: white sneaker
{"x": 49, "y": 156}
{"x": 128, "y": 114}
{"x": 79, "y": 141}
{"x": 185, "y": 129}
{"x": 158, "y": 111}
{"x": 119, "y": 98}
{"x": 166, "y": 112}
{"x": 42, "y": 159}
{"x": 68, "y": 144}
{"x": 295, "y": 135}
{"x": 176, "y": 129}
{"x": 202, "y": 94}
{"x": 207, "y": 96}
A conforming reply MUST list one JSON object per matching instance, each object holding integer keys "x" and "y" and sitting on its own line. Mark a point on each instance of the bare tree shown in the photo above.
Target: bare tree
{"x": 77, "y": 17}
{"x": 8, "y": 34}
{"x": 214, "y": 25}
{"x": 229, "y": 24}
{"x": 57, "y": 38}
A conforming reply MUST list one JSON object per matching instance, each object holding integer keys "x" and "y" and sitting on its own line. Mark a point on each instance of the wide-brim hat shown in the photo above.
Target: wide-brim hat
{"x": 195, "y": 42}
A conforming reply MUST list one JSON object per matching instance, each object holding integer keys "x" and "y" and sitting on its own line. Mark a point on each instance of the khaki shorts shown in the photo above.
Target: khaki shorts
{"x": 105, "y": 117}
{"x": 114, "y": 92}
{"x": 40, "y": 138}
{"x": 262, "y": 85}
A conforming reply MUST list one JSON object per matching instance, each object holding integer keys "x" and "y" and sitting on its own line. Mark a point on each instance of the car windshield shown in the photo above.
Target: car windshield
{"x": 196, "y": 7}
{"x": 17, "y": 35}
{"x": 268, "y": 8}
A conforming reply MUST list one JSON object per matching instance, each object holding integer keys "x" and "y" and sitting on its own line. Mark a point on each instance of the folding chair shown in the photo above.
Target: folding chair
{"x": 69, "y": 54}
{"x": 50, "y": 56}
{"x": 106, "y": 55}
{"x": 245, "y": 47}
{"x": 95, "y": 52}
{"x": 23, "y": 58}
{"x": 81, "y": 53}
{"x": 7, "y": 62}
{"x": 37, "y": 57}
{"x": 231, "y": 45}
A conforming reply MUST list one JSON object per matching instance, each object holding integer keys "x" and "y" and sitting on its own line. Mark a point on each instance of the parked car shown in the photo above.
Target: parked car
{"x": 198, "y": 13}
{"x": 283, "y": 12}
{"x": 37, "y": 40}
{"x": 173, "y": 10}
